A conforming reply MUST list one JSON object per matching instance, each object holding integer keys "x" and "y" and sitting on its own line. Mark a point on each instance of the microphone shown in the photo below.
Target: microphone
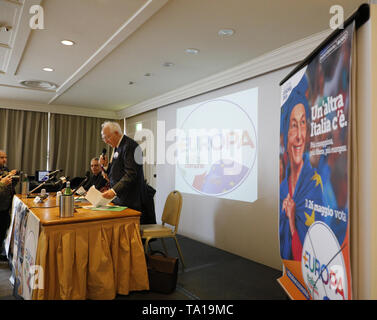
{"x": 61, "y": 180}
{"x": 54, "y": 172}
{"x": 103, "y": 169}
{"x": 103, "y": 156}
{"x": 87, "y": 175}
{"x": 40, "y": 185}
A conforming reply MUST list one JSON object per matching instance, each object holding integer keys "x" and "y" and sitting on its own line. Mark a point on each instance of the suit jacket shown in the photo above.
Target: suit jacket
{"x": 95, "y": 180}
{"x": 126, "y": 175}
{"x": 6, "y": 192}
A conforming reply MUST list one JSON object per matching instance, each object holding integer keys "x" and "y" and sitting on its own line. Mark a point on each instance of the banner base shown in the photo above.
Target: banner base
{"x": 290, "y": 289}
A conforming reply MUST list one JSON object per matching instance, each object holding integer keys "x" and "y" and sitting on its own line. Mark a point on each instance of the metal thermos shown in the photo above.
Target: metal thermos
{"x": 67, "y": 206}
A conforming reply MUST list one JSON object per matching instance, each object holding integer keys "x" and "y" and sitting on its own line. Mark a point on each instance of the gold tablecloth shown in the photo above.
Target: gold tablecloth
{"x": 94, "y": 259}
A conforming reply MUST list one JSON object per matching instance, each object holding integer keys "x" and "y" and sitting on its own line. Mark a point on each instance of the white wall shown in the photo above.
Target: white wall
{"x": 251, "y": 229}
{"x": 148, "y": 120}
{"x": 246, "y": 229}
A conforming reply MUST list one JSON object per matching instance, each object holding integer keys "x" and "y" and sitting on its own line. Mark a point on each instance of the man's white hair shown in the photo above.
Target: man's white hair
{"x": 113, "y": 127}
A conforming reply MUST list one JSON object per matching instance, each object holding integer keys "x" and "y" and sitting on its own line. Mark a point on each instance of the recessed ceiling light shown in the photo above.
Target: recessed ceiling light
{"x": 168, "y": 64}
{"x": 67, "y": 42}
{"x": 38, "y": 84}
{"x": 148, "y": 74}
{"x": 48, "y": 69}
{"x": 226, "y": 32}
{"x": 192, "y": 51}
{"x": 131, "y": 83}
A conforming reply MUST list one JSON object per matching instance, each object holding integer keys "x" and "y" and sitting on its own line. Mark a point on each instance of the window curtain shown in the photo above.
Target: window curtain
{"x": 74, "y": 141}
{"x": 23, "y": 136}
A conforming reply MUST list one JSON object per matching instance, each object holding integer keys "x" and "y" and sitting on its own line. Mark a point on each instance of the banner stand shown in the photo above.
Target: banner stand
{"x": 317, "y": 134}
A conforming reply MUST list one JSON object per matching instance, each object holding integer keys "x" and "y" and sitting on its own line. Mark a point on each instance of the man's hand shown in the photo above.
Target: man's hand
{"x": 289, "y": 207}
{"x": 104, "y": 175}
{"x": 109, "y": 194}
{"x": 6, "y": 180}
{"x": 13, "y": 172}
{"x": 103, "y": 161}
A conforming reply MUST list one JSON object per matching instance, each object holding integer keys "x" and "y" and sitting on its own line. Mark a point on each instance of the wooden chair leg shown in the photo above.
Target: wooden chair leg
{"x": 146, "y": 245}
{"x": 149, "y": 245}
{"x": 179, "y": 252}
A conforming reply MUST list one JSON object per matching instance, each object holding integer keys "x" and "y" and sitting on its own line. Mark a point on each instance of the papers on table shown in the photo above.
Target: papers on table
{"x": 95, "y": 197}
{"x": 81, "y": 191}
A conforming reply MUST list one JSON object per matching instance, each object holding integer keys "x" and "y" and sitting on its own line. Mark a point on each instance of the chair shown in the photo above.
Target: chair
{"x": 75, "y": 182}
{"x": 170, "y": 216}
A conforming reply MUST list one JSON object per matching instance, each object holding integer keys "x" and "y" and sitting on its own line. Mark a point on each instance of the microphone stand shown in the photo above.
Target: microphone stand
{"x": 80, "y": 185}
{"x": 41, "y": 185}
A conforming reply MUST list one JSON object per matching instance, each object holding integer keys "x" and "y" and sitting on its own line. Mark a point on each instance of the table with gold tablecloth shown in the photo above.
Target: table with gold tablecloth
{"x": 92, "y": 255}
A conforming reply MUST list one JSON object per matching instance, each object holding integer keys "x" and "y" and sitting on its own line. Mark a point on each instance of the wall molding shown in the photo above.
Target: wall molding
{"x": 59, "y": 109}
{"x": 284, "y": 56}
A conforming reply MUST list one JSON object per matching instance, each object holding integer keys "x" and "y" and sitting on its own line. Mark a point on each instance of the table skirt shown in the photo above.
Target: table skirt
{"x": 94, "y": 260}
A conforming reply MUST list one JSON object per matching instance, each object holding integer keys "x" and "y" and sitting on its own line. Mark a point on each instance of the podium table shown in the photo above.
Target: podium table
{"x": 92, "y": 255}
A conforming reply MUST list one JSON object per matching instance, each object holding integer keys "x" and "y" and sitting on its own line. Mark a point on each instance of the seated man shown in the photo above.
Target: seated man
{"x": 96, "y": 179}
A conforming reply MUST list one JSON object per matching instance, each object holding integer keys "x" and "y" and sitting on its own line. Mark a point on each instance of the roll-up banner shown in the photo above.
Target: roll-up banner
{"x": 314, "y": 211}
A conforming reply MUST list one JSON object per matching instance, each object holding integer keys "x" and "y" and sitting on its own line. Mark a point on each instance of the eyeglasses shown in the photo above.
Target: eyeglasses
{"x": 106, "y": 137}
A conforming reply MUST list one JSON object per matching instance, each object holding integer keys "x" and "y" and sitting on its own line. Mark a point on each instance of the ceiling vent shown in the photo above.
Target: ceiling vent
{"x": 37, "y": 84}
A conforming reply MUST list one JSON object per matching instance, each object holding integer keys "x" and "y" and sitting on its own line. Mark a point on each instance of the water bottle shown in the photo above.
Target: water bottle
{"x": 25, "y": 185}
{"x": 67, "y": 190}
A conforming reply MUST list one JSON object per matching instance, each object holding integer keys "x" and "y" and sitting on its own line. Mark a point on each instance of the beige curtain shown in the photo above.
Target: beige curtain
{"x": 23, "y": 135}
{"x": 74, "y": 141}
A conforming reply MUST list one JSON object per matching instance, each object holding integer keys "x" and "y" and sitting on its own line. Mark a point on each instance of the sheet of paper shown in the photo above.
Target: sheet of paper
{"x": 80, "y": 191}
{"x": 95, "y": 197}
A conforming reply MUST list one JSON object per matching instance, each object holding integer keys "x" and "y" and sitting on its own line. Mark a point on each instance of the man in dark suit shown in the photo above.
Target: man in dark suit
{"x": 6, "y": 196}
{"x": 96, "y": 179}
{"x": 125, "y": 170}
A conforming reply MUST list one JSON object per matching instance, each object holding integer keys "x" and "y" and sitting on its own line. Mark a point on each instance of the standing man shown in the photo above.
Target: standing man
{"x": 96, "y": 179}
{"x": 6, "y": 196}
{"x": 125, "y": 170}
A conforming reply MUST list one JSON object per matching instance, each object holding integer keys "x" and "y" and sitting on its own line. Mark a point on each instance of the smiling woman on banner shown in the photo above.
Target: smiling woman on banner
{"x": 302, "y": 185}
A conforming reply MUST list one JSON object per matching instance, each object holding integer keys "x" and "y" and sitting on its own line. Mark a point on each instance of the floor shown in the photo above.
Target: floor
{"x": 210, "y": 274}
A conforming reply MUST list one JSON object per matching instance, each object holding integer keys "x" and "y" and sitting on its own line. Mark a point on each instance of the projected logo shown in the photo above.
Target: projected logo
{"x": 323, "y": 265}
{"x": 216, "y": 148}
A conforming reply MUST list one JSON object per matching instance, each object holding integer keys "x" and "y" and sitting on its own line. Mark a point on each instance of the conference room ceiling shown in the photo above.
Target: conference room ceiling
{"x": 121, "y": 46}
